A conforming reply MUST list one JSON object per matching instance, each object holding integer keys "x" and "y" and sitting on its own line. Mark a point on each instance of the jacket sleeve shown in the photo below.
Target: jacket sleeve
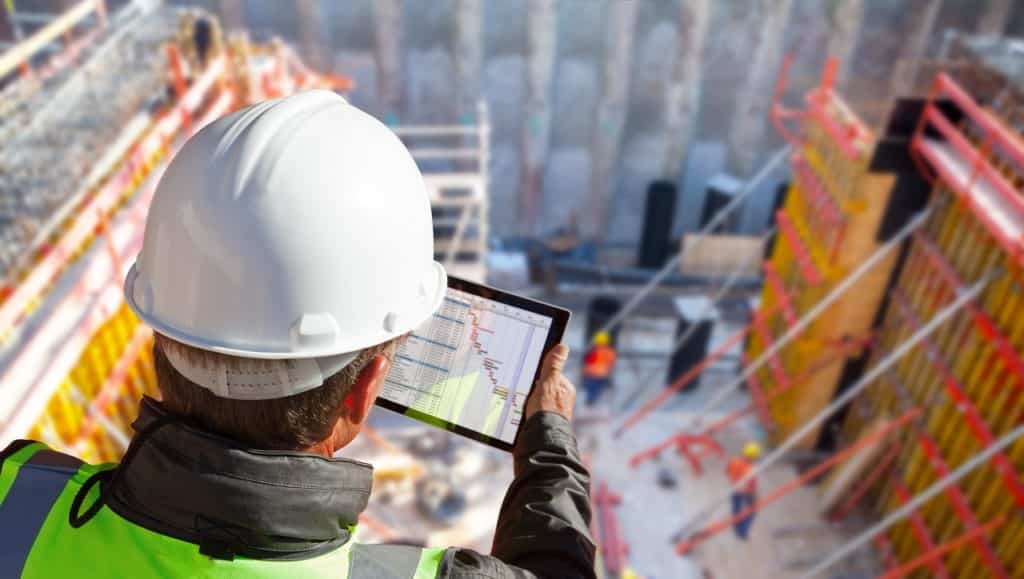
{"x": 544, "y": 525}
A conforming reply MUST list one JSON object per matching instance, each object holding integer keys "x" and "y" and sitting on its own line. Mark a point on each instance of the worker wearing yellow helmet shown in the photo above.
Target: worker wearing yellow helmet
{"x": 752, "y": 450}
{"x": 740, "y": 471}
{"x": 598, "y": 366}
{"x": 288, "y": 248}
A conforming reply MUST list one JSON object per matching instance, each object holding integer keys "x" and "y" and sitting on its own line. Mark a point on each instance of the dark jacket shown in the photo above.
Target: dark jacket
{"x": 193, "y": 485}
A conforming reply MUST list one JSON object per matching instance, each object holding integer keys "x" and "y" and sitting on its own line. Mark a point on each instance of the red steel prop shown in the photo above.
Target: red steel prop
{"x": 684, "y": 441}
{"x": 940, "y": 550}
{"x": 614, "y": 548}
{"x": 693, "y": 372}
{"x": 686, "y": 545}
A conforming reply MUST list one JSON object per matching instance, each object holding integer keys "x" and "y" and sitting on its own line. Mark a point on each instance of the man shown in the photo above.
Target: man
{"x": 743, "y": 498}
{"x": 288, "y": 248}
{"x": 597, "y": 367}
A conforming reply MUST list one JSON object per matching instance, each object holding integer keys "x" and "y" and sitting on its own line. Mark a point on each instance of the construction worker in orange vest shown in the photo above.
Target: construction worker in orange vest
{"x": 743, "y": 498}
{"x": 598, "y": 366}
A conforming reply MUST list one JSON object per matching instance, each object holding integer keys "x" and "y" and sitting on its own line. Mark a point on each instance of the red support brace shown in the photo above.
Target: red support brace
{"x": 693, "y": 372}
{"x": 975, "y": 422}
{"x": 821, "y": 201}
{"x": 956, "y": 184}
{"x": 780, "y": 112}
{"x": 885, "y": 546}
{"x": 112, "y": 385}
{"x": 843, "y": 136}
{"x": 771, "y": 275}
{"x": 810, "y": 184}
{"x": 686, "y": 545}
{"x": 778, "y": 372}
{"x": 920, "y": 531}
{"x": 1006, "y": 139}
{"x": 803, "y": 256}
{"x": 995, "y": 135}
{"x": 614, "y": 548}
{"x": 102, "y": 228}
{"x": 749, "y": 409}
{"x": 984, "y": 323}
{"x": 178, "y": 78}
{"x": 862, "y": 489}
{"x": 683, "y": 443}
{"x": 962, "y": 508}
{"x": 939, "y": 551}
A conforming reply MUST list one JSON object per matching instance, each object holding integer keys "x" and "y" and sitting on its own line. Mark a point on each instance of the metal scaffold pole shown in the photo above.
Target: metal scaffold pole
{"x": 676, "y": 259}
{"x": 877, "y": 370}
{"x": 913, "y": 504}
{"x": 691, "y": 330}
{"x": 799, "y": 326}
{"x": 876, "y": 438}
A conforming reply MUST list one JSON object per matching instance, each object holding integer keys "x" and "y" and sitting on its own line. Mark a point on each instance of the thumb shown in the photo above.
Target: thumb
{"x": 554, "y": 361}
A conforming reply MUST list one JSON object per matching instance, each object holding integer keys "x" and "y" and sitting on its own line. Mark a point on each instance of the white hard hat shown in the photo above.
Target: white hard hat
{"x": 295, "y": 229}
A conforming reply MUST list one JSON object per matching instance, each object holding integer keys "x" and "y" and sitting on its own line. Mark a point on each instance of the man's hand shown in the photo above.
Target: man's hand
{"x": 553, "y": 392}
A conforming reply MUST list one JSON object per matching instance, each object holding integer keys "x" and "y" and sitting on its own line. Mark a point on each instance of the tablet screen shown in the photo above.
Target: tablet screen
{"x": 471, "y": 366}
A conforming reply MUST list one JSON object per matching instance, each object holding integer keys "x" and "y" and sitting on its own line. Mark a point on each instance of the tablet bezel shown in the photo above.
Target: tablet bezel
{"x": 559, "y": 322}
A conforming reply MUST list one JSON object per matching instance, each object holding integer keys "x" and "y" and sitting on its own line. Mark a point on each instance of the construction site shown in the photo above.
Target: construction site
{"x": 799, "y": 223}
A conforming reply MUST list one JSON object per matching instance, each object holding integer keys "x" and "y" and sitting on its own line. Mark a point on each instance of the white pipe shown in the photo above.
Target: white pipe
{"x": 812, "y": 314}
{"x": 925, "y": 495}
{"x": 674, "y": 262}
{"x": 889, "y": 360}
{"x": 727, "y": 286}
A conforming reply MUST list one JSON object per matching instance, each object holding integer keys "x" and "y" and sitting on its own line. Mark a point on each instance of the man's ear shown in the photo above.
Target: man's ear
{"x": 364, "y": 391}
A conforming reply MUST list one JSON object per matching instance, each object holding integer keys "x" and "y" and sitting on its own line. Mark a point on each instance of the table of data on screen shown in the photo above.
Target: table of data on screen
{"x": 471, "y": 364}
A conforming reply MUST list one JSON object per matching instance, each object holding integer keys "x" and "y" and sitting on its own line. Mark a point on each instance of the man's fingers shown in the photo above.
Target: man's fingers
{"x": 554, "y": 361}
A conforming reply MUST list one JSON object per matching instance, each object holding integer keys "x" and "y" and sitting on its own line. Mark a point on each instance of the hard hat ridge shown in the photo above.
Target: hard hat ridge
{"x": 261, "y": 128}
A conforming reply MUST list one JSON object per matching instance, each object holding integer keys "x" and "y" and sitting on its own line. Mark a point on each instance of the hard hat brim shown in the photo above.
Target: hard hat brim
{"x": 435, "y": 287}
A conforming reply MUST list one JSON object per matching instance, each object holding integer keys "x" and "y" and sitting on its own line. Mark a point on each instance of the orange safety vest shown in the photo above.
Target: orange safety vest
{"x": 599, "y": 362}
{"x": 737, "y": 469}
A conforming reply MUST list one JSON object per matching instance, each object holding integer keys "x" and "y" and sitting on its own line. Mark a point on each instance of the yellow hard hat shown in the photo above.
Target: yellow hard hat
{"x": 602, "y": 339}
{"x": 752, "y": 450}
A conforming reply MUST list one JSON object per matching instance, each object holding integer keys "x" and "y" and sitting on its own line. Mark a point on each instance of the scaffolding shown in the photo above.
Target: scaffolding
{"x": 75, "y": 360}
{"x": 454, "y": 160}
{"x": 916, "y": 356}
{"x": 969, "y": 376}
{"x": 831, "y": 222}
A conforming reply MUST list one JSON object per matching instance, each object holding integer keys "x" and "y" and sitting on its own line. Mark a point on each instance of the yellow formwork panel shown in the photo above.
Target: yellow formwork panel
{"x": 835, "y": 206}
{"x": 958, "y": 356}
{"x": 91, "y": 412}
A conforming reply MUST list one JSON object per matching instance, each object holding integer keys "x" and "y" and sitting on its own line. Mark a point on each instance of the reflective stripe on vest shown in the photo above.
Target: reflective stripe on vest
{"x": 37, "y": 541}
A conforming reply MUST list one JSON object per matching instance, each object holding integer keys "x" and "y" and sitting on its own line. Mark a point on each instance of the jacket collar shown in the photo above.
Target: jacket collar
{"x": 194, "y": 485}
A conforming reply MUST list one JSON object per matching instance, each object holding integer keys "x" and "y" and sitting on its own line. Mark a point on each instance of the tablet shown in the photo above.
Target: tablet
{"x": 471, "y": 366}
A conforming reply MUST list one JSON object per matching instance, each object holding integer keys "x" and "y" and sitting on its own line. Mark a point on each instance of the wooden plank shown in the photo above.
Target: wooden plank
{"x": 721, "y": 254}
{"x": 854, "y": 314}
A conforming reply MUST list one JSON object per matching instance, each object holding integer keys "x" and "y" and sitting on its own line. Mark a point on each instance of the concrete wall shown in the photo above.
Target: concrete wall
{"x": 425, "y": 75}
